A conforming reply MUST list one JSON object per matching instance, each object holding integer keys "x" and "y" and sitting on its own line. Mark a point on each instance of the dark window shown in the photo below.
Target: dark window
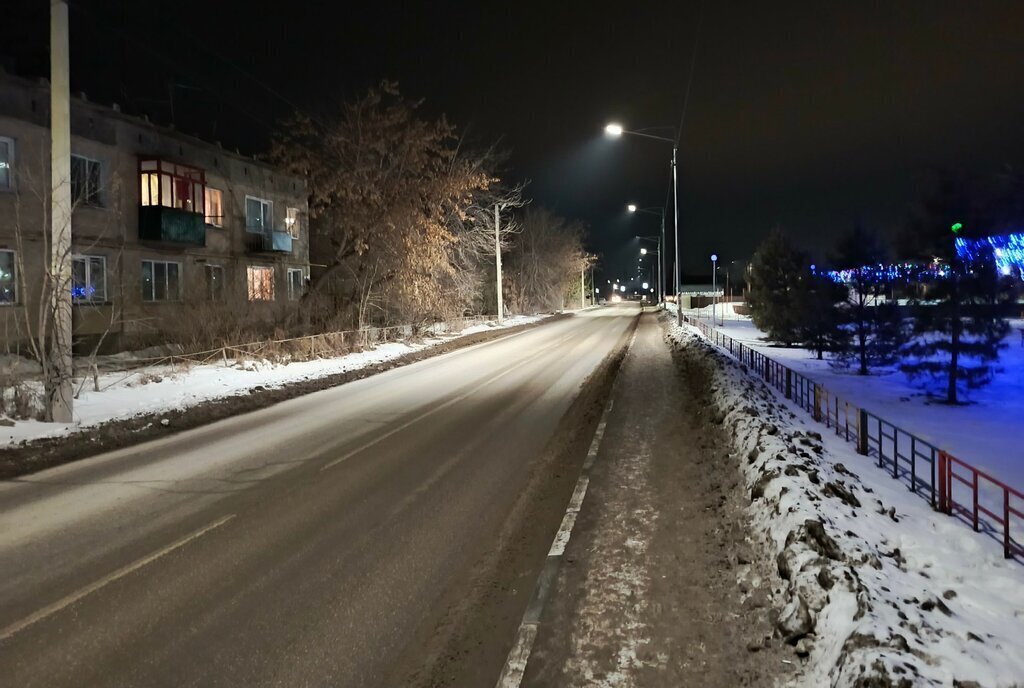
{"x": 85, "y": 181}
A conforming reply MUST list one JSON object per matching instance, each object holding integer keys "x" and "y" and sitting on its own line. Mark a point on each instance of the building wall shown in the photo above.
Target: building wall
{"x": 111, "y": 230}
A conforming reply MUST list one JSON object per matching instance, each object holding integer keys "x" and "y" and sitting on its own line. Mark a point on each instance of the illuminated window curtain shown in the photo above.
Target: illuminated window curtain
{"x": 261, "y": 283}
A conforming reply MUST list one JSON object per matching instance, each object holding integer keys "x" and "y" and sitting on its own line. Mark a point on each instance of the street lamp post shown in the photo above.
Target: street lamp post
{"x": 661, "y": 242}
{"x": 616, "y": 130}
{"x": 714, "y": 288}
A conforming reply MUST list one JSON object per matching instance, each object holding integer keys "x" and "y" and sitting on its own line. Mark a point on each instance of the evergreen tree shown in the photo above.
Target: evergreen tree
{"x": 820, "y": 327}
{"x": 961, "y": 322}
{"x": 871, "y": 331}
{"x": 775, "y": 288}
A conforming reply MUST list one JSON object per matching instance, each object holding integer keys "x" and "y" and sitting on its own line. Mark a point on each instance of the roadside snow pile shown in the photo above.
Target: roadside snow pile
{"x": 874, "y": 589}
{"x": 123, "y": 394}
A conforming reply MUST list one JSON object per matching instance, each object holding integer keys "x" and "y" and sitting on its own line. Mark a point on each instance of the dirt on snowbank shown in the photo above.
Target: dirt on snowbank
{"x": 871, "y": 588}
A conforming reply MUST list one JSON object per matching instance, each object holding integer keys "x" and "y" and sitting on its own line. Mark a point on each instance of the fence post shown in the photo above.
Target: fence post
{"x": 974, "y": 487}
{"x": 1006, "y": 524}
{"x": 224, "y": 354}
{"x": 789, "y": 383}
{"x": 943, "y": 488}
{"x": 817, "y": 403}
{"x": 862, "y": 432}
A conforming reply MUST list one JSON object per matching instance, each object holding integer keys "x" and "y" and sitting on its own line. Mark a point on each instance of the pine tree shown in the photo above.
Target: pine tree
{"x": 960, "y": 325}
{"x": 871, "y": 332}
{"x": 820, "y": 327}
{"x": 775, "y": 288}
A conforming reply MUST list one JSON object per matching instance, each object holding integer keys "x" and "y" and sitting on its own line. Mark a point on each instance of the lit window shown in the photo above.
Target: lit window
{"x": 291, "y": 222}
{"x": 214, "y": 207}
{"x": 160, "y": 281}
{"x": 261, "y": 283}
{"x": 89, "y": 278}
{"x": 215, "y": 282}
{"x": 172, "y": 186}
{"x": 296, "y": 284}
{"x": 6, "y": 163}
{"x": 8, "y": 281}
{"x": 259, "y": 215}
{"x": 85, "y": 180}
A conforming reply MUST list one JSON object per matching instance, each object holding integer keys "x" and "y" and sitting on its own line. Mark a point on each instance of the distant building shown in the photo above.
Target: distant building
{"x": 163, "y": 226}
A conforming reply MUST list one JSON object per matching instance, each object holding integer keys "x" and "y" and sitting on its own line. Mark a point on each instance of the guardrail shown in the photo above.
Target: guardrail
{"x": 952, "y": 486}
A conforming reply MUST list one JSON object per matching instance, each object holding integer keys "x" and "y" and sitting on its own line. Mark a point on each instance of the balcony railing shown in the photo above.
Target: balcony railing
{"x": 268, "y": 242}
{"x": 171, "y": 225}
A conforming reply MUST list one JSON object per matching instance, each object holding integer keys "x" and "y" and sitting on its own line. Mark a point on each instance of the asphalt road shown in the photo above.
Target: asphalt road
{"x": 303, "y": 544}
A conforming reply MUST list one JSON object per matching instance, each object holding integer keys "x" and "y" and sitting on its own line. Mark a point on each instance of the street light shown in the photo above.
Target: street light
{"x": 714, "y": 287}
{"x": 631, "y": 207}
{"x": 661, "y": 242}
{"x": 643, "y": 252}
{"x": 616, "y": 130}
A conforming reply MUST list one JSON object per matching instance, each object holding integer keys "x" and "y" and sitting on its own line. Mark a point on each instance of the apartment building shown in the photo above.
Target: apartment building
{"x": 163, "y": 225}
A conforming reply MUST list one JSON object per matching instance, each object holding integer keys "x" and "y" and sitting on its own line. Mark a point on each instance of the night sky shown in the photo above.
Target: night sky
{"x": 809, "y": 116}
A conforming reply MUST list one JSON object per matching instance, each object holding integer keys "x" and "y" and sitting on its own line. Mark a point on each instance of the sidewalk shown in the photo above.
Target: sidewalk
{"x": 657, "y": 587}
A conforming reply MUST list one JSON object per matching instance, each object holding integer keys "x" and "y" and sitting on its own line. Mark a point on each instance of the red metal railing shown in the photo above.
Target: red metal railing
{"x": 946, "y": 481}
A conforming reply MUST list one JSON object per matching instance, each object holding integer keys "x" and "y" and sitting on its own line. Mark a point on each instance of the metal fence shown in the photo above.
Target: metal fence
{"x": 951, "y": 485}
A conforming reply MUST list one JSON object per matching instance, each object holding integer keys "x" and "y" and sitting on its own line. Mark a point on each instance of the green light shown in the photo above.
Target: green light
{"x": 957, "y": 226}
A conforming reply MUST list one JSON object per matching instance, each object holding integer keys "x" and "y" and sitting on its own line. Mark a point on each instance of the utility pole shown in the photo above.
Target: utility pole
{"x": 497, "y": 262}
{"x": 583, "y": 288}
{"x": 59, "y": 402}
{"x": 675, "y": 202}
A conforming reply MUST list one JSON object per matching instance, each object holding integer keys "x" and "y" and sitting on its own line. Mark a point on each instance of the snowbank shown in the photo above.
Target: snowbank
{"x": 875, "y": 588}
{"x": 123, "y": 394}
{"x": 982, "y": 433}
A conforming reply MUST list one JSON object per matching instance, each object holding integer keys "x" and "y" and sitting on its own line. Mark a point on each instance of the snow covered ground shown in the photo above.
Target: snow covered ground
{"x": 984, "y": 433}
{"x": 124, "y": 394}
{"x": 876, "y": 588}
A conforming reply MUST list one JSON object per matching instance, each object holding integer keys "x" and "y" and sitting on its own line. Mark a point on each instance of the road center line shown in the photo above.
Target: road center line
{"x": 68, "y": 600}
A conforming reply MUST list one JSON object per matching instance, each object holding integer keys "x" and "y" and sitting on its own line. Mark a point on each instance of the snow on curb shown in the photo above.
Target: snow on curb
{"x": 162, "y": 388}
{"x": 875, "y": 588}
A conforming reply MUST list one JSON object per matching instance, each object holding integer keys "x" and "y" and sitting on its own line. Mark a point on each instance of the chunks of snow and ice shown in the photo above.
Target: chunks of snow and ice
{"x": 874, "y": 583}
{"x": 984, "y": 433}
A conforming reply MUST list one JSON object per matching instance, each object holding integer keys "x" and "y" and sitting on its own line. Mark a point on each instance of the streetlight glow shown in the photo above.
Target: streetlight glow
{"x": 631, "y": 207}
{"x": 614, "y": 130}
{"x": 643, "y": 252}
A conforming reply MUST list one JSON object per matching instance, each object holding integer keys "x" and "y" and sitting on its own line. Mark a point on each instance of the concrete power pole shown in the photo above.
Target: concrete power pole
{"x": 583, "y": 289}
{"x": 497, "y": 263}
{"x": 60, "y": 369}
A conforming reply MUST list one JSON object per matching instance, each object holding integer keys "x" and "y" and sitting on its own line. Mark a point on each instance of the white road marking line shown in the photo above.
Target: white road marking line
{"x": 515, "y": 667}
{"x": 403, "y": 426}
{"x": 569, "y": 520}
{"x": 60, "y": 604}
{"x": 515, "y": 664}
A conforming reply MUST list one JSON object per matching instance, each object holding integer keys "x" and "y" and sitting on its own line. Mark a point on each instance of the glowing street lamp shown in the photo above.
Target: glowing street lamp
{"x": 614, "y": 130}
{"x": 714, "y": 286}
{"x": 643, "y": 252}
{"x": 631, "y": 207}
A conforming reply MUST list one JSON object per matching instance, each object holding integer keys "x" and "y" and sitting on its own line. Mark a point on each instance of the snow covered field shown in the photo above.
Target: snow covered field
{"x": 984, "y": 433}
{"x": 124, "y": 394}
{"x": 876, "y": 588}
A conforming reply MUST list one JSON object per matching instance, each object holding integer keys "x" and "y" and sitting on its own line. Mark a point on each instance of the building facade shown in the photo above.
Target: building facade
{"x": 165, "y": 227}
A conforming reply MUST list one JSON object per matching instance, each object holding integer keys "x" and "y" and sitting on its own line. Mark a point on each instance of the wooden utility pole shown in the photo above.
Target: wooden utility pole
{"x": 59, "y": 401}
{"x": 497, "y": 262}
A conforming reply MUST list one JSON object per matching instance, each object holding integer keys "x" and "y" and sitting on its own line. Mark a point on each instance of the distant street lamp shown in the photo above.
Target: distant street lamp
{"x": 714, "y": 287}
{"x": 661, "y": 242}
{"x": 616, "y": 130}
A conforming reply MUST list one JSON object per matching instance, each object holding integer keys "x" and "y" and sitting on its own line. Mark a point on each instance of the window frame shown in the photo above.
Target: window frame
{"x": 210, "y": 296}
{"x": 11, "y": 160}
{"x": 159, "y": 170}
{"x": 266, "y": 202}
{"x": 154, "y": 263}
{"x": 208, "y": 193}
{"x": 249, "y": 291}
{"x": 14, "y": 278}
{"x": 89, "y": 200}
{"x": 292, "y": 296}
{"x": 292, "y": 221}
{"x": 88, "y": 257}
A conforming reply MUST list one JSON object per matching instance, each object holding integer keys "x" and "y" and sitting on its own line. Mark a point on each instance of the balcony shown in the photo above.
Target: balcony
{"x": 171, "y": 226}
{"x": 268, "y": 242}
